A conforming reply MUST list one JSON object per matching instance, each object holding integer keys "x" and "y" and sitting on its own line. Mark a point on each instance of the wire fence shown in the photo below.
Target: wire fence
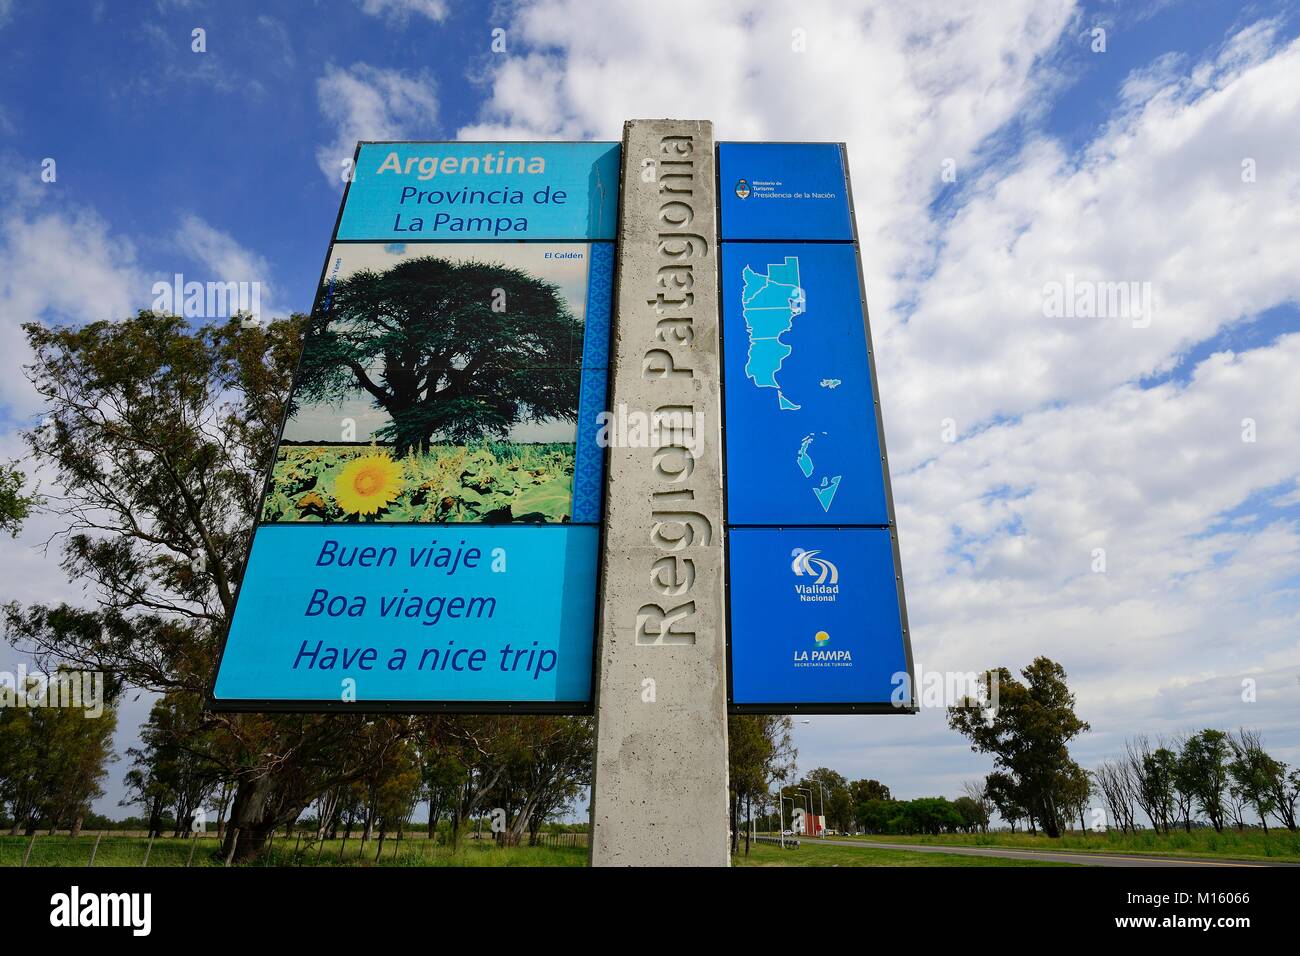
{"x": 297, "y": 848}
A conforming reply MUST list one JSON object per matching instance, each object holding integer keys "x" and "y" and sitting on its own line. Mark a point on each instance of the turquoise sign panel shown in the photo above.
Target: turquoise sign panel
{"x": 411, "y": 613}
{"x": 428, "y": 537}
{"x": 482, "y": 192}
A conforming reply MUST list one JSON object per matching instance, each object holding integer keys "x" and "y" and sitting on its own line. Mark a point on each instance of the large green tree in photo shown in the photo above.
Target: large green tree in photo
{"x": 457, "y": 350}
{"x": 157, "y": 433}
{"x": 1029, "y": 735}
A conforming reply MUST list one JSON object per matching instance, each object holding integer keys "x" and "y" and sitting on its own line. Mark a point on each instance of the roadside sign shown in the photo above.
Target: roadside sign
{"x": 429, "y": 532}
{"x": 816, "y": 612}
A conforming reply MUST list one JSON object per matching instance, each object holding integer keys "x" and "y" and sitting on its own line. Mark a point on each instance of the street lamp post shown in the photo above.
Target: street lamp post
{"x": 781, "y": 814}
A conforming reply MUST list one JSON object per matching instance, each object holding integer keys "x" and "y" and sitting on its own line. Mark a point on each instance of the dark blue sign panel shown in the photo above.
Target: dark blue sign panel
{"x": 429, "y": 531}
{"x": 816, "y": 619}
{"x": 816, "y": 614}
{"x": 784, "y": 191}
{"x": 801, "y": 439}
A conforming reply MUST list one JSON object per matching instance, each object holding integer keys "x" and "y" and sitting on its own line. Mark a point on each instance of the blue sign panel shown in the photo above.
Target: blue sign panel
{"x": 816, "y": 619}
{"x": 415, "y": 613}
{"x": 429, "y": 531}
{"x": 784, "y": 191}
{"x": 482, "y": 192}
{"x": 801, "y": 438}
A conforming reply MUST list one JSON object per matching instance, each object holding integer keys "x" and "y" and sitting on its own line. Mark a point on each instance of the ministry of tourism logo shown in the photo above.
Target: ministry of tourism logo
{"x": 820, "y": 579}
{"x": 742, "y": 189}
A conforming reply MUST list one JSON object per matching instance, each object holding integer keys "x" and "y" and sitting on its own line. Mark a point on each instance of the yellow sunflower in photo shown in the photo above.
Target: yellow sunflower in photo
{"x": 367, "y": 484}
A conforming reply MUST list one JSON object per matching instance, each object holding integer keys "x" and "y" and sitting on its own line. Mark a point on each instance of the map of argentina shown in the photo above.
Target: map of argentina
{"x": 800, "y": 434}
{"x": 769, "y": 304}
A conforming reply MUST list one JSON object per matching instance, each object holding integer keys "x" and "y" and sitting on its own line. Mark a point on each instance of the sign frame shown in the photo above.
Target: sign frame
{"x": 579, "y": 708}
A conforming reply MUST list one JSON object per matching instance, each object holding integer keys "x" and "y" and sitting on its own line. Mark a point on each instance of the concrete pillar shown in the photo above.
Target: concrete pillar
{"x": 659, "y": 796}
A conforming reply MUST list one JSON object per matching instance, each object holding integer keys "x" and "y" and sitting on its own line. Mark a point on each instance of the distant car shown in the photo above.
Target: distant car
{"x": 787, "y": 833}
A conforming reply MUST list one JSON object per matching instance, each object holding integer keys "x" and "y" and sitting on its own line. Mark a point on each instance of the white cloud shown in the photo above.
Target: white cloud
{"x": 224, "y": 258}
{"x": 366, "y": 102}
{"x": 1063, "y": 450}
{"x": 401, "y": 10}
{"x": 62, "y": 264}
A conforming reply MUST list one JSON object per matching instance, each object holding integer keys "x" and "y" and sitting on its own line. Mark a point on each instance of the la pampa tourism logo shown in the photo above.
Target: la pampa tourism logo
{"x": 819, "y": 578}
{"x": 821, "y": 655}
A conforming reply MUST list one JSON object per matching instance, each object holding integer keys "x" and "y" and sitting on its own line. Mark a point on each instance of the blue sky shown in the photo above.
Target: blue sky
{"x": 1073, "y": 434}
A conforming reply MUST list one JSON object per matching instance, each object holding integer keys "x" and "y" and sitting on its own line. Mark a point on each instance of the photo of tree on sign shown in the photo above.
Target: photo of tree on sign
{"x": 438, "y": 383}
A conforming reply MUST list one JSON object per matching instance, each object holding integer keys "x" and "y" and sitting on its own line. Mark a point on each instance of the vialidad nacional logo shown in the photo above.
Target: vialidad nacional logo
{"x": 825, "y": 576}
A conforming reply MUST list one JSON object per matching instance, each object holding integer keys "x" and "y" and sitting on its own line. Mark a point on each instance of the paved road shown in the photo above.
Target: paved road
{"x": 1054, "y": 856}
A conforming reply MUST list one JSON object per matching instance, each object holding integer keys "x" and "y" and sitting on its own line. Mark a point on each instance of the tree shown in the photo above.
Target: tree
{"x": 977, "y": 792}
{"x": 973, "y": 817}
{"x": 874, "y": 815}
{"x": 1114, "y": 782}
{"x": 392, "y": 789}
{"x": 835, "y": 796}
{"x": 1204, "y": 768}
{"x": 1028, "y": 736}
{"x": 1151, "y": 774}
{"x": 1075, "y": 787}
{"x": 52, "y": 759}
{"x": 1285, "y": 790}
{"x": 484, "y": 747}
{"x": 1004, "y": 793}
{"x": 159, "y": 435}
{"x": 1253, "y": 773}
{"x": 441, "y": 774}
{"x": 760, "y": 750}
{"x": 446, "y": 348}
{"x": 20, "y": 789}
{"x": 15, "y": 506}
{"x": 1184, "y": 784}
{"x": 174, "y": 769}
{"x": 865, "y": 793}
{"x": 930, "y": 815}
{"x": 548, "y": 764}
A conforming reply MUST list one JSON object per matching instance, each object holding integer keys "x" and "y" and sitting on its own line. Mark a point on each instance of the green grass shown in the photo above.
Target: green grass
{"x": 809, "y": 854}
{"x": 130, "y": 851}
{"x": 113, "y": 851}
{"x": 1279, "y": 846}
